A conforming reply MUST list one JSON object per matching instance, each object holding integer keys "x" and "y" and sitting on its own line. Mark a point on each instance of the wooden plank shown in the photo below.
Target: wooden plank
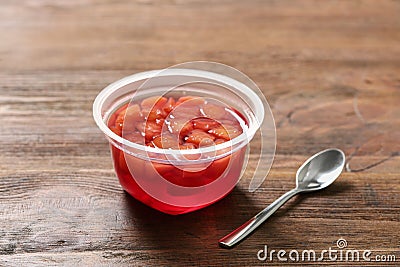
{"x": 330, "y": 71}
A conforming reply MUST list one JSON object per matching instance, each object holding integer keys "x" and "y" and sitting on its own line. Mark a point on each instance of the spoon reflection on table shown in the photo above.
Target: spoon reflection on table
{"x": 316, "y": 173}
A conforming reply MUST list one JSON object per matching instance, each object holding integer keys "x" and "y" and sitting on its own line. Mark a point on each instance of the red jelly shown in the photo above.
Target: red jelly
{"x": 177, "y": 123}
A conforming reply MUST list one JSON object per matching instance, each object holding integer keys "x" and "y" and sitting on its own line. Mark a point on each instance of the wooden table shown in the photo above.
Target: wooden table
{"x": 330, "y": 71}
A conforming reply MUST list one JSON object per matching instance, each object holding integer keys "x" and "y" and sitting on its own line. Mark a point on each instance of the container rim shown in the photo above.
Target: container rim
{"x": 234, "y": 143}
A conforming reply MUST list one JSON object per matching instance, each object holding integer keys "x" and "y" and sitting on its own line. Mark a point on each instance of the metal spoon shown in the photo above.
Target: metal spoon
{"x": 316, "y": 173}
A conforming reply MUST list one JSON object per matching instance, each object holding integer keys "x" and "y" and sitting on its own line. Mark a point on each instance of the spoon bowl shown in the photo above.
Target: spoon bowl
{"x": 320, "y": 170}
{"x": 316, "y": 173}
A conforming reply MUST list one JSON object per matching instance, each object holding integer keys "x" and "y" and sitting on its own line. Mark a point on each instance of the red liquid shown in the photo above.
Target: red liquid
{"x": 184, "y": 123}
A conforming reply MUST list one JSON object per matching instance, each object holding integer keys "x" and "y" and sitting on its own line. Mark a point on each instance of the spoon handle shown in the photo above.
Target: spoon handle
{"x": 248, "y": 227}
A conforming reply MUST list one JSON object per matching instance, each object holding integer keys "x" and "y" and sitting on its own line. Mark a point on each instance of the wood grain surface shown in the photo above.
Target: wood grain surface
{"x": 329, "y": 69}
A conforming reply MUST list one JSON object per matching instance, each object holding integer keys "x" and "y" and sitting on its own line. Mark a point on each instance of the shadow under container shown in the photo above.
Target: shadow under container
{"x": 179, "y": 181}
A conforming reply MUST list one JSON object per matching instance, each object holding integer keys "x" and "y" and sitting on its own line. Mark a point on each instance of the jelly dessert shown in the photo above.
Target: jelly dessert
{"x": 176, "y": 123}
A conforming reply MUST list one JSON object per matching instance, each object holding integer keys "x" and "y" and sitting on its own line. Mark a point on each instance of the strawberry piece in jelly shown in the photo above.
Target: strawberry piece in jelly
{"x": 166, "y": 141}
{"x": 149, "y": 130}
{"x": 179, "y": 127}
{"x": 205, "y": 123}
{"x": 213, "y": 111}
{"x": 153, "y": 114}
{"x": 184, "y": 112}
{"x": 191, "y": 100}
{"x": 134, "y": 137}
{"x": 199, "y": 137}
{"x": 154, "y": 102}
{"x": 133, "y": 114}
{"x": 226, "y": 132}
{"x": 116, "y": 129}
{"x": 169, "y": 106}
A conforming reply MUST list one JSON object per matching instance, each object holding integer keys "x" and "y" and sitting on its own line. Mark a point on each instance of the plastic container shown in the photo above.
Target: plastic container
{"x": 179, "y": 181}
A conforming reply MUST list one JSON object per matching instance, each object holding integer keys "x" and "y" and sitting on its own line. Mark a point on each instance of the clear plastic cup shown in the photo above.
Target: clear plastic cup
{"x": 170, "y": 180}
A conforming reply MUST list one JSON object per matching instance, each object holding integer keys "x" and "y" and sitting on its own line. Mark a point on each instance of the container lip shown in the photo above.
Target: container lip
{"x": 235, "y": 143}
